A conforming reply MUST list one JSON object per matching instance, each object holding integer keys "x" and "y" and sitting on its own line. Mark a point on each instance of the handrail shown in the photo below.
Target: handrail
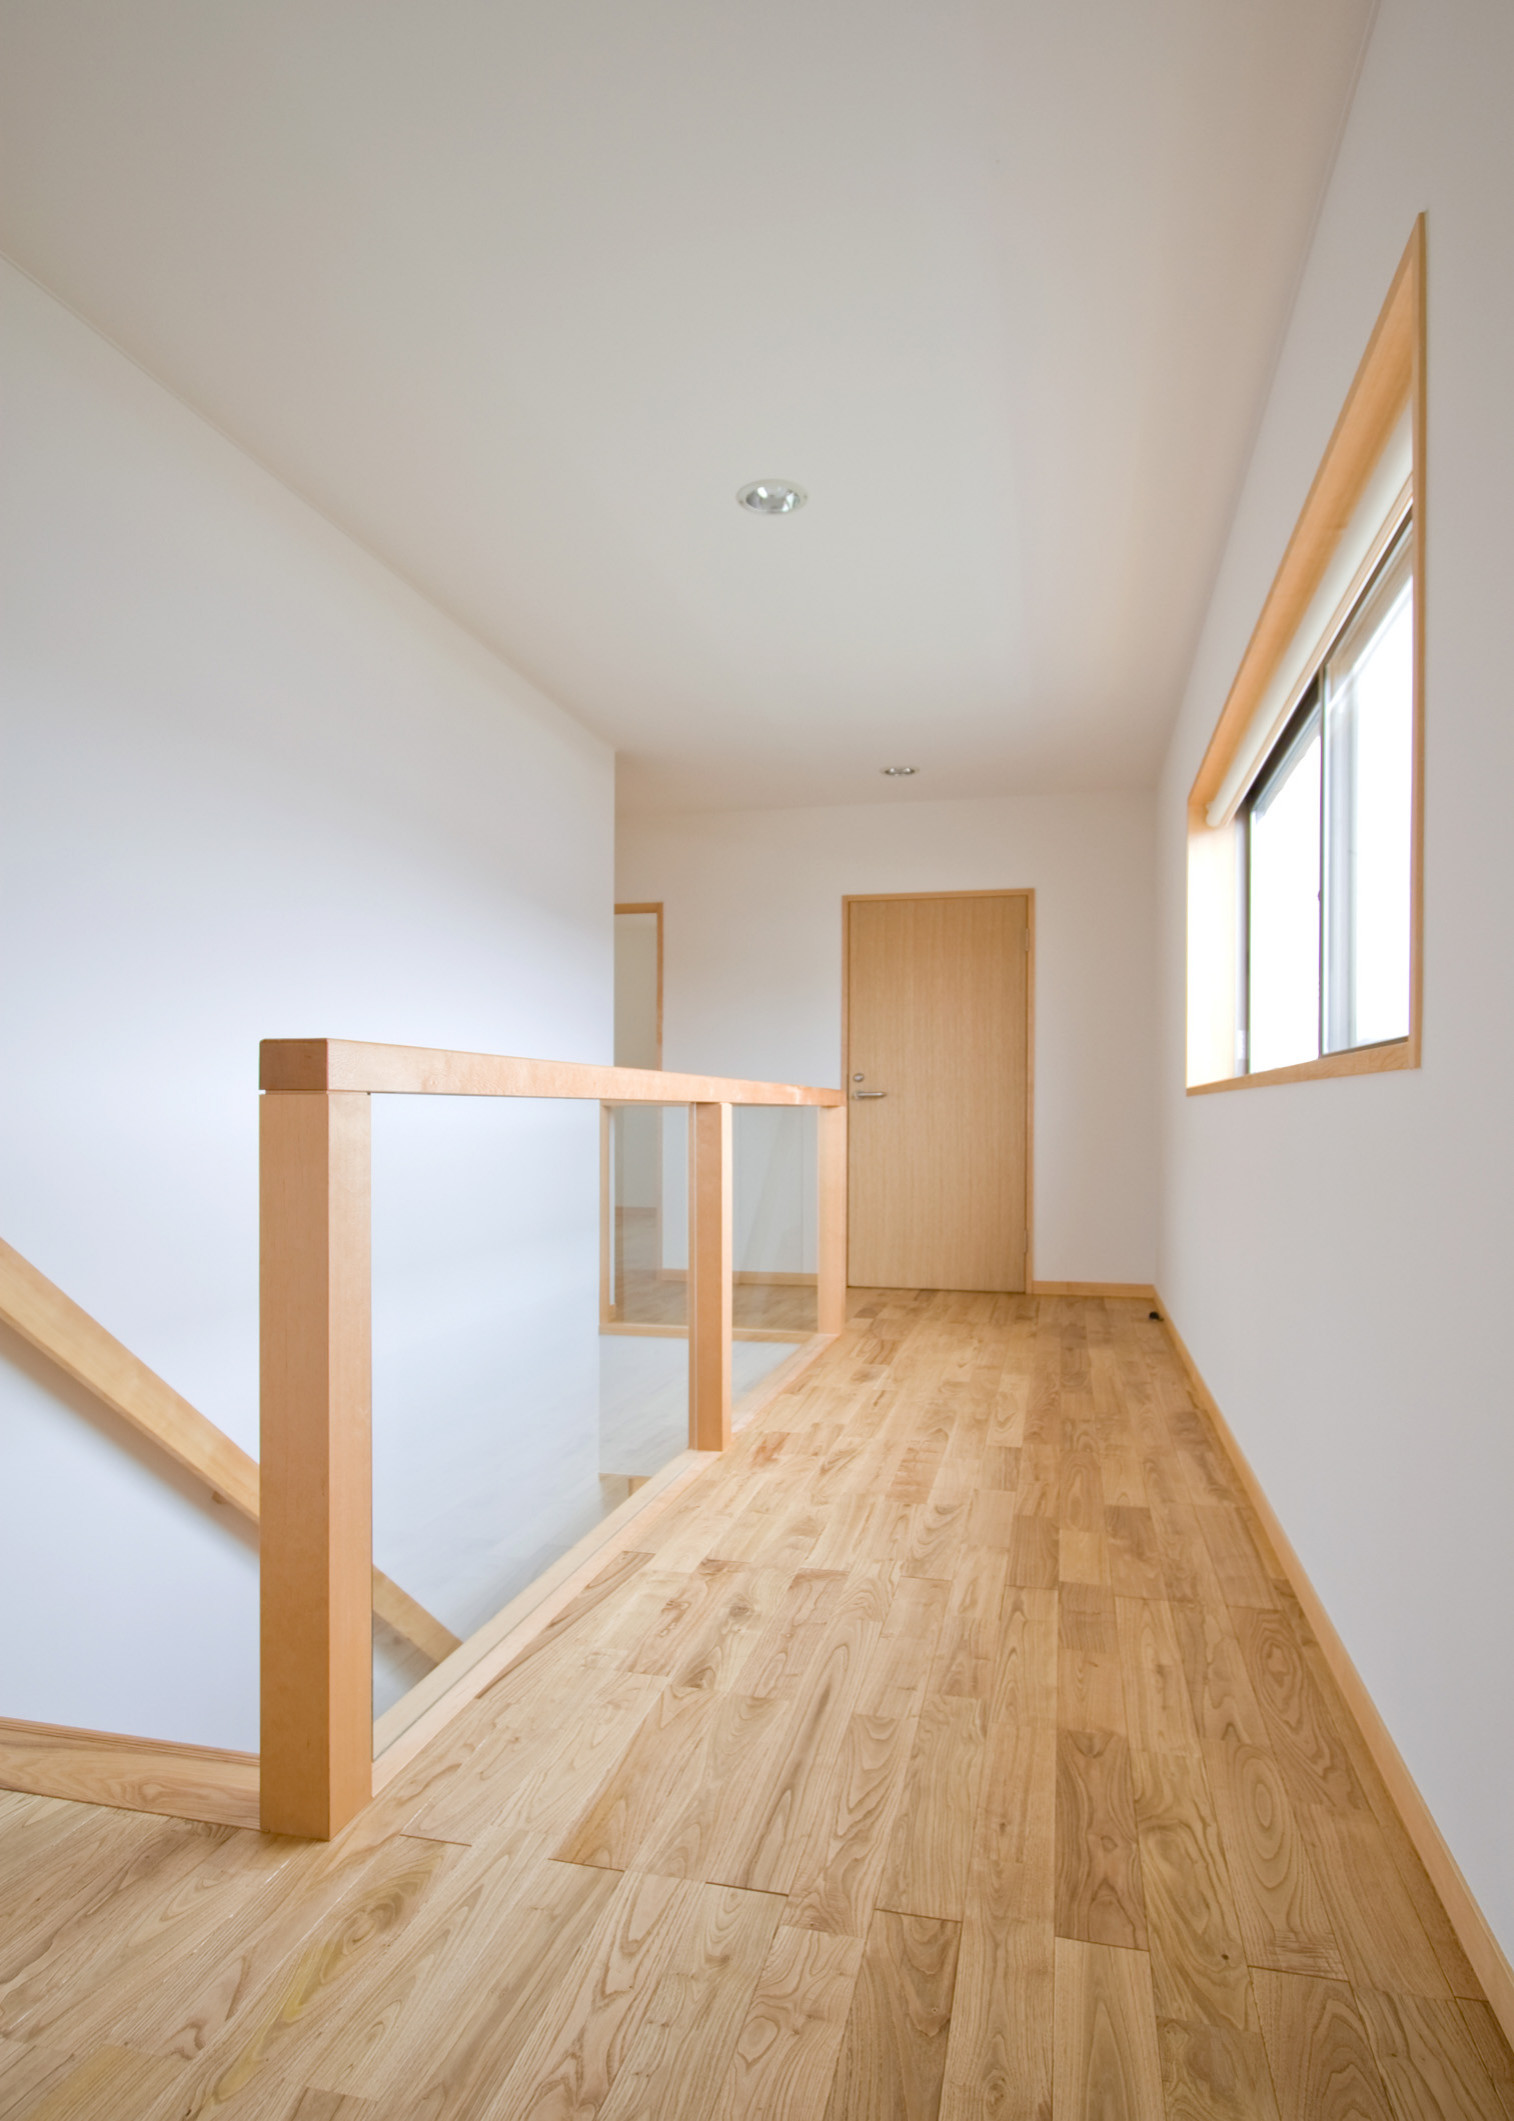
{"x": 348, "y": 1064}
{"x": 80, "y": 1347}
{"x": 317, "y": 1765}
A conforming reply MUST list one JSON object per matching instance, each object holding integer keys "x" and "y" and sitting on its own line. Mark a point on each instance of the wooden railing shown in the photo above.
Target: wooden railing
{"x": 317, "y": 1765}
{"x": 82, "y": 1349}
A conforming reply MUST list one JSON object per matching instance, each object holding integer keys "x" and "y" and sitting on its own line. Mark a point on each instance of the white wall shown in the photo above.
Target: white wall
{"x": 752, "y": 972}
{"x": 1339, "y": 1254}
{"x": 253, "y": 786}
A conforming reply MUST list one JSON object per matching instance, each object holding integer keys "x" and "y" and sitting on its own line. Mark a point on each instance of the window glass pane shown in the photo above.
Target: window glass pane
{"x": 1284, "y": 925}
{"x": 1370, "y": 709}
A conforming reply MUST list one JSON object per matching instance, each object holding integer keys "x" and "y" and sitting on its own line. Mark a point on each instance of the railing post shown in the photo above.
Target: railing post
{"x": 709, "y": 1277}
{"x": 830, "y": 1159}
{"x": 317, "y": 1461}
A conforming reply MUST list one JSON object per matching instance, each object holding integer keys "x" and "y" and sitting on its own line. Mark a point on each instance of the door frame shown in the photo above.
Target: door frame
{"x": 651, "y": 906}
{"x": 853, "y": 898}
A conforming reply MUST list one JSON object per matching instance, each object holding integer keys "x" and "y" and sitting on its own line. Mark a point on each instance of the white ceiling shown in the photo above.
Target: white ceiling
{"x": 521, "y": 291}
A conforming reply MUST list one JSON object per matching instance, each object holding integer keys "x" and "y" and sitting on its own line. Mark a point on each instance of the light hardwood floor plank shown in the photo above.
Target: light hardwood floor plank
{"x": 1214, "y": 2073}
{"x": 1322, "y": 2062}
{"x": 893, "y": 2053}
{"x": 790, "y": 2040}
{"x": 1107, "y": 2065}
{"x": 970, "y": 1639}
{"x": 1198, "y": 1955}
{"x": 1099, "y": 1898}
{"x": 1429, "y": 2061}
{"x": 449, "y": 2015}
{"x": 930, "y": 1857}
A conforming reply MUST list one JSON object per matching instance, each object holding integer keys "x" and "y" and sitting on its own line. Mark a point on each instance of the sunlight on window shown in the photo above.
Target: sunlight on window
{"x": 1284, "y": 886}
{"x": 1371, "y": 710}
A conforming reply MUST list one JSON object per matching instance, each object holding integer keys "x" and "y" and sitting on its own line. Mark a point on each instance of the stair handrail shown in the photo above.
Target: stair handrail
{"x": 78, "y": 1345}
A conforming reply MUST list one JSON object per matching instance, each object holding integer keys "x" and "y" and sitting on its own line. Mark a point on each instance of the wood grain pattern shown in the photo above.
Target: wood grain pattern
{"x": 710, "y": 1258}
{"x": 139, "y": 1774}
{"x": 317, "y": 1462}
{"x": 648, "y": 1873}
{"x": 675, "y": 2065}
{"x": 893, "y": 2053}
{"x": 1322, "y": 2062}
{"x": 1282, "y": 1911}
{"x": 1107, "y": 2065}
{"x": 1158, "y": 1711}
{"x": 447, "y": 2019}
{"x": 1472, "y": 1955}
{"x": 1197, "y": 1952}
{"x": 931, "y": 1854}
{"x": 789, "y": 2043}
{"x": 1214, "y": 2073}
{"x": 1429, "y": 2061}
{"x": 101, "y": 2086}
{"x": 351, "y": 1064}
{"x": 1099, "y": 1898}
{"x": 573, "y": 2054}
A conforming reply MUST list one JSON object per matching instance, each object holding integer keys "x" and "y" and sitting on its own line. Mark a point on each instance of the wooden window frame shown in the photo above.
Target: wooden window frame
{"x": 1390, "y": 377}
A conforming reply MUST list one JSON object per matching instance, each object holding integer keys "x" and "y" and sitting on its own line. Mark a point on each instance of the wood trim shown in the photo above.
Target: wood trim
{"x": 348, "y": 1064}
{"x": 752, "y": 1277}
{"x": 1419, "y": 388}
{"x": 1143, "y": 1291}
{"x": 1356, "y": 1060}
{"x": 862, "y": 898}
{"x": 317, "y": 1639}
{"x": 778, "y": 1381}
{"x": 652, "y": 906}
{"x": 631, "y": 1327}
{"x": 132, "y": 1774}
{"x": 81, "y": 1348}
{"x": 1391, "y": 374}
{"x": 1390, "y": 369}
{"x": 606, "y": 1235}
{"x": 408, "y": 1617}
{"x": 432, "y": 1704}
{"x": 830, "y": 1246}
{"x": 709, "y": 1303}
{"x": 1475, "y": 1935}
{"x": 1030, "y": 1088}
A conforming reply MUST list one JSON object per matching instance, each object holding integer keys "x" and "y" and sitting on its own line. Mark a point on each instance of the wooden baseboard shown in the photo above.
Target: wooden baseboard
{"x": 627, "y": 1328}
{"x": 751, "y": 1277}
{"x": 1141, "y": 1290}
{"x": 132, "y": 1774}
{"x": 1476, "y": 1938}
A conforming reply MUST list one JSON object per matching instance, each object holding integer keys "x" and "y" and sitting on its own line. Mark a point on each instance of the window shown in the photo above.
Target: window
{"x": 1326, "y": 845}
{"x": 1304, "y": 819}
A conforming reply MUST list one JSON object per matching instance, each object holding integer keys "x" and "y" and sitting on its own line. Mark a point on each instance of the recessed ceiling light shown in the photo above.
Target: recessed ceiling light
{"x": 898, "y": 773}
{"x": 772, "y": 497}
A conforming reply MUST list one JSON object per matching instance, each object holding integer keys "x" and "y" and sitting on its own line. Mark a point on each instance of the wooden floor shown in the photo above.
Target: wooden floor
{"x": 952, "y": 1748}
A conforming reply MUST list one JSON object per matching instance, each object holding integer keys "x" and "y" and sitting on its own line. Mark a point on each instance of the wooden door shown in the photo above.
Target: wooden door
{"x": 937, "y": 992}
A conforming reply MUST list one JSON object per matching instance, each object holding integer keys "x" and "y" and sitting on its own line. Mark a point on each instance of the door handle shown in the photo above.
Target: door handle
{"x": 870, "y": 1093}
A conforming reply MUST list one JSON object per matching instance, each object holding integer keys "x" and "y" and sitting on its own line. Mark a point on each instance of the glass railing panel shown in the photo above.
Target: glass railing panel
{"x": 644, "y": 1344}
{"x": 774, "y": 1231}
{"x": 512, "y": 1412}
{"x": 647, "y": 1231}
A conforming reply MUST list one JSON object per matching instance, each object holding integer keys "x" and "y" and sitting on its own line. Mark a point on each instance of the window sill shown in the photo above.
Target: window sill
{"x": 1358, "y": 1060}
